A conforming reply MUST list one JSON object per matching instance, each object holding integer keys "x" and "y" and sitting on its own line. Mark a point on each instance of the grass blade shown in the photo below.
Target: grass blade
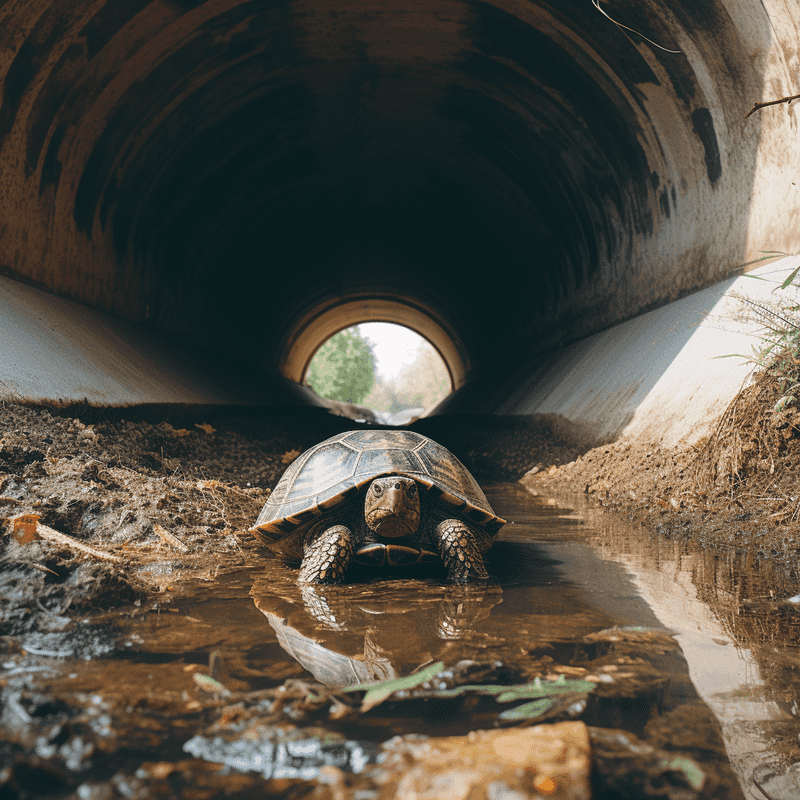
{"x": 378, "y": 692}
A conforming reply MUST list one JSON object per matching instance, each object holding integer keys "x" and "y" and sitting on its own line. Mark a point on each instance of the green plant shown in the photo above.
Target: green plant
{"x": 343, "y": 368}
{"x": 779, "y": 352}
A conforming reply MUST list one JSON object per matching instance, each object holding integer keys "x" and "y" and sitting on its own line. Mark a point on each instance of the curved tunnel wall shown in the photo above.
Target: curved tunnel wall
{"x": 516, "y": 175}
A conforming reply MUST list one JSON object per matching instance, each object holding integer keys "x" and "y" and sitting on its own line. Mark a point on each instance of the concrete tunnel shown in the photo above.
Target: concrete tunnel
{"x": 507, "y": 178}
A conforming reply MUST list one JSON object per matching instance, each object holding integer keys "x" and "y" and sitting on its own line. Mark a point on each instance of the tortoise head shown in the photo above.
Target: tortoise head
{"x": 392, "y": 506}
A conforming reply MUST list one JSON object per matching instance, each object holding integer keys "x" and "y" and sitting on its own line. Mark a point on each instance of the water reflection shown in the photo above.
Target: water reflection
{"x": 547, "y": 593}
{"x": 738, "y": 634}
{"x": 346, "y": 635}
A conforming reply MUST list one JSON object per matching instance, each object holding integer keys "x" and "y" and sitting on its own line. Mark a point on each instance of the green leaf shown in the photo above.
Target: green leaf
{"x": 483, "y": 689}
{"x": 766, "y": 256}
{"x": 791, "y": 277}
{"x": 528, "y": 710}
{"x": 540, "y": 688}
{"x": 209, "y": 684}
{"x": 694, "y": 775}
{"x": 378, "y": 692}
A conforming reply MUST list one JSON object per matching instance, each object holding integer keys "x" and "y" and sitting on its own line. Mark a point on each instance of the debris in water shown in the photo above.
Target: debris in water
{"x": 377, "y": 693}
{"x": 283, "y": 752}
{"x": 632, "y": 768}
{"x": 211, "y": 685}
{"x": 26, "y": 528}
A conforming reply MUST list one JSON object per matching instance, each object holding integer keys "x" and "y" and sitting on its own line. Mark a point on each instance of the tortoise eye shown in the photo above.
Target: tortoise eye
{"x": 377, "y": 489}
{"x": 412, "y": 490}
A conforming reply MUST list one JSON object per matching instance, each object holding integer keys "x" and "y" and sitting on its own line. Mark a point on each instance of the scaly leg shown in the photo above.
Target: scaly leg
{"x": 459, "y": 551}
{"x": 327, "y": 558}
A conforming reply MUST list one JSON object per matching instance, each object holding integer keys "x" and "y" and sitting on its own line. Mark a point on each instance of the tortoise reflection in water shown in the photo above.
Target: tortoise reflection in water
{"x": 378, "y": 498}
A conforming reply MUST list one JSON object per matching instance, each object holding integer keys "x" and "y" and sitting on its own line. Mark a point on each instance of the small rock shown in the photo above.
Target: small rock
{"x": 551, "y": 760}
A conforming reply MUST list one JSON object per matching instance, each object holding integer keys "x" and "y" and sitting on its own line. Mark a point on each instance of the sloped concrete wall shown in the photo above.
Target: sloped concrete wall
{"x": 665, "y": 377}
{"x": 55, "y": 352}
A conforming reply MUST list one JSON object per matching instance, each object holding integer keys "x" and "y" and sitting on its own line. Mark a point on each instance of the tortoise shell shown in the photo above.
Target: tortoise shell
{"x": 333, "y": 472}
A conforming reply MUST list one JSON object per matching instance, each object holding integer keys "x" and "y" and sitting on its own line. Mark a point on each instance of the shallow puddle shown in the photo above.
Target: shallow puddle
{"x": 574, "y": 598}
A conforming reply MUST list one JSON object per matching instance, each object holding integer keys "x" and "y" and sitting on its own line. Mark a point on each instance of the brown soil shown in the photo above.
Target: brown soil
{"x": 162, "y": 501}
{"x": 738, "y": 489}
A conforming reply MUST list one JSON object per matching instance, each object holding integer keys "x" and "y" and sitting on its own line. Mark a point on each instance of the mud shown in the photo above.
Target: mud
{"x": 738, "y": 490}
{"x": 90, "y": 712}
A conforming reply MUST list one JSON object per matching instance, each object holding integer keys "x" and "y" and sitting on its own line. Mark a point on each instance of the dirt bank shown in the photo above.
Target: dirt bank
{"x": 737, "y": 489}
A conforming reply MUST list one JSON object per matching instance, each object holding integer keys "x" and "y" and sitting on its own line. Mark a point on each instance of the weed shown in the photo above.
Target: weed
{"x": 759, "y": 422}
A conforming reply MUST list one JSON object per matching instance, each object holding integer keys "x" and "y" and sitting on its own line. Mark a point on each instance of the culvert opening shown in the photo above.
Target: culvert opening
{"x": 385, "y": 368}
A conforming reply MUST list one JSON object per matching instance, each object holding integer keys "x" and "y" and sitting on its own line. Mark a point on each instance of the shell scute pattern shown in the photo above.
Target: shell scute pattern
{"x": 376, "y": 462}
{"x": 323, "y": 471}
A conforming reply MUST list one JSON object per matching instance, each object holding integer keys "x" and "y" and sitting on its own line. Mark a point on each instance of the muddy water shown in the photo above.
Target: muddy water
{"x": 737, "y": 620}
{"x": 572, "y": 595}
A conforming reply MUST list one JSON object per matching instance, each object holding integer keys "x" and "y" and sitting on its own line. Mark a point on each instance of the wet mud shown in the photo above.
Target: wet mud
{"x": 193, "y": 665}
{"x": 735, "y": 491}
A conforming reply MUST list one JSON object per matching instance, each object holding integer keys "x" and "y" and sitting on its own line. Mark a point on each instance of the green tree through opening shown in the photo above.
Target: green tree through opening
{"x": 343, "y": 368}
{"x": 395, "y": 371}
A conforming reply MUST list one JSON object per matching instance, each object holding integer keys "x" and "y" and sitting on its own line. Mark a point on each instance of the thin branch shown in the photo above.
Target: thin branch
{"x": 596, "y": 4}
{"x": 26, "y": 528}
{"x": 759, "y": 106}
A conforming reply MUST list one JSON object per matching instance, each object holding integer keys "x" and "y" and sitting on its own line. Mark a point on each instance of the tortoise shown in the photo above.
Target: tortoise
{"x": 380, "y": 498}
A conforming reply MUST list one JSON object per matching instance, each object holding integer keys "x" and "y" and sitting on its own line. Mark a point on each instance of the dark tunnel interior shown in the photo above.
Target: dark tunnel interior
{"x": 521, "y": 174}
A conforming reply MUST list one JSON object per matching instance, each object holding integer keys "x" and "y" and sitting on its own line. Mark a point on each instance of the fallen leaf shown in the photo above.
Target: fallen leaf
{"x": 170, "y": 538}
{"x": 378, "y": 692}
{"x": 528, "y": 710}
{"x": 24, "y": 528}
{"x": 209, "y": 684}
{"x": 176, "y": 433}
{"x": 289, "y": 456}
{"x": 540, "y": 688}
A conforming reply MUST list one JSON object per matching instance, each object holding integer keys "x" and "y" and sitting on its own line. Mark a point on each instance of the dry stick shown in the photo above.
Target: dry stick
{"x": 759, "y": 106}
{"x": 73, "y": 544}
{"x": 62, "y": 538}
{"x": 171, "y": 538}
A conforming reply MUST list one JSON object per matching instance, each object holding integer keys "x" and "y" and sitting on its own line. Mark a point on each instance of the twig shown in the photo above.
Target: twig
{"x": 28, "y": 521}
{"x": 170, "y": 538}
{"x": 759, "y": 106}
{"x": 41, "y": 568}
{"x": 61, "y": 538}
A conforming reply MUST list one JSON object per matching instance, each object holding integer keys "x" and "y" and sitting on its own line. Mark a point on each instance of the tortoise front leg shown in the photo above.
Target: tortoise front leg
{"x": 458, "y": 548}
{"x": 327, "y": 557}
